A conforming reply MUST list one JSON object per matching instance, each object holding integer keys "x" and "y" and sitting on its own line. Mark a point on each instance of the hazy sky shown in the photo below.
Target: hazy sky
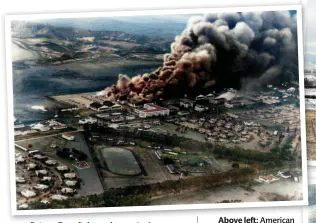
{"x": 156, "y": 25}
{"x": 310, "y": 40}
{"x": 132, "y": 19}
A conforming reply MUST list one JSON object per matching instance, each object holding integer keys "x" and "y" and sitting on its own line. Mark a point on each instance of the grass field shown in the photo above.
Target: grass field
{"x": 120, "y": 161}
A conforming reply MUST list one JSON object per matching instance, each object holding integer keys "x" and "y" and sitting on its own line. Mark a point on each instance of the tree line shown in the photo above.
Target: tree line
{"x": 141, "y": 195}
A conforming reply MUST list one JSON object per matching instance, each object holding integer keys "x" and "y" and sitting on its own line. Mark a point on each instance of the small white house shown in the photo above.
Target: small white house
{"x": 70, "y": 183}
{"x": 23, "y": 206}
{"x": 68, "y": 190}
{"x": 62, "y": 168}
{"x": 58, "y": 197}
{"x": 28, "y": 193}
{"x": 31, "y": 166}
{"x": 116, "y": 106}
{"x": 39, "y": 157}
{"x": 51, "y": 162}
{"x": 41, "y": 187}
{"x": 248, "y": 123}
{"x": 41, "y": 172}
{"x": 130, "y": 117}
{"x": 200, "y": 97}
{"x": 41, "y": 127}
{"x": 70, "y": 175}
{"x": 210, "y": 95}
{"x": 88, "y": 120}
{"x": 33, "y": 152}
{"x": 68, "y": 137}
{"x": 46, "y": 179}
{"x": 186, "y": 104}
{"x": 45, "y": 202}
{"x": 227, "y": 105}
{"x": 20, "y": 180}
{"x": 200, "y": 108}
{"x": 19, "y": 159}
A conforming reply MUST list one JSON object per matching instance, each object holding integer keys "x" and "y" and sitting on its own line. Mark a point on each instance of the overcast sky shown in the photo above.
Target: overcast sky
{"x": 310, "y": 40}
{"x": 155, "y": 25}
{"x": 131, "y": 19}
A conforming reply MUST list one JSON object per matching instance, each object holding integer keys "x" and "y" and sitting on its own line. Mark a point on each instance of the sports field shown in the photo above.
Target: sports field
{"x": 120, "y": 161}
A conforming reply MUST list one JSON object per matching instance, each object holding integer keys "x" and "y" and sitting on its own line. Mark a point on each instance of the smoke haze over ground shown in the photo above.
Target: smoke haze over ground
{"x": 242, "y": 50}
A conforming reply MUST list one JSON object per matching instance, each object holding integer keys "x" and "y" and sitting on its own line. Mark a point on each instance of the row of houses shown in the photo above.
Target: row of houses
{"x": 146, "y": 111}
{"x": 44, "y": 184}
{"x": 43, "y": 126}
{"x": 105, "y": 106}
{"x": 189, "y": 104}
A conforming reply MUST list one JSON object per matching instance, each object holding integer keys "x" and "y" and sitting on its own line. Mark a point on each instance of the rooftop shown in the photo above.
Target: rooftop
{"x": 153, "y": 108}
{"x": 227, "y": 96}
{"x": 67, "y": 135}
{"x": 95, "y": 105}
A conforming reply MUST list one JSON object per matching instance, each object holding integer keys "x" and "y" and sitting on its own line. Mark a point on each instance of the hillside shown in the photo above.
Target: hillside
{"x": 50, "y": 44}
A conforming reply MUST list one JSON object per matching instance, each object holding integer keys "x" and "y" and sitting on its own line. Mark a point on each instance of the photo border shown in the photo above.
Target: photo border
{"x": 305, "y": 29}
{"x": 10, "y": 117}
{"x": 305, "y": 210}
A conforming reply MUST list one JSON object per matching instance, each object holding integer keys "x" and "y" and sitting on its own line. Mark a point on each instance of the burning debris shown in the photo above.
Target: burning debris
{"x": 242, "y": 50}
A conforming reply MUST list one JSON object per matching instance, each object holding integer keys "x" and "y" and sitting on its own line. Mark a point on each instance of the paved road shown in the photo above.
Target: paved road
{"x": 161, "y": 169}
{"x": 91, "y": 181}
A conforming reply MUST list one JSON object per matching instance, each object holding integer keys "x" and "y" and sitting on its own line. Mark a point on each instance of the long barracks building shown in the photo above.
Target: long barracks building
{"x": 151, "y": 110}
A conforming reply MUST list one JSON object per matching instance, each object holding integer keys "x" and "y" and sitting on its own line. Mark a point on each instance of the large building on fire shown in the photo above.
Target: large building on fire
{"x": 151, "y": 110}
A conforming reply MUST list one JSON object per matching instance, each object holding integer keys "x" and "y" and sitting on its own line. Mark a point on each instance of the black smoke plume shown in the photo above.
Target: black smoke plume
{"x": 242, "y": 50}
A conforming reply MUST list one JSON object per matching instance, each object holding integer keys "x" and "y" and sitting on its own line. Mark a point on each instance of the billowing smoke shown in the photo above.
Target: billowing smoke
{"x": 241, "y": 50}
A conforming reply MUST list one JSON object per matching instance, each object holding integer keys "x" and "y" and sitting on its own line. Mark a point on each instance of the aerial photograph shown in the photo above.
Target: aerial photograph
{"x": 154, "y": 110}
{"x": 310, "y": 81}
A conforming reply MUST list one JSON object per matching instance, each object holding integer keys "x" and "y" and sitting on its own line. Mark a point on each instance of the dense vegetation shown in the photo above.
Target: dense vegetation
{"x": 276, "y": 156}
{"x": 71, "y": 154}
{"x": 141, "y": 195}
